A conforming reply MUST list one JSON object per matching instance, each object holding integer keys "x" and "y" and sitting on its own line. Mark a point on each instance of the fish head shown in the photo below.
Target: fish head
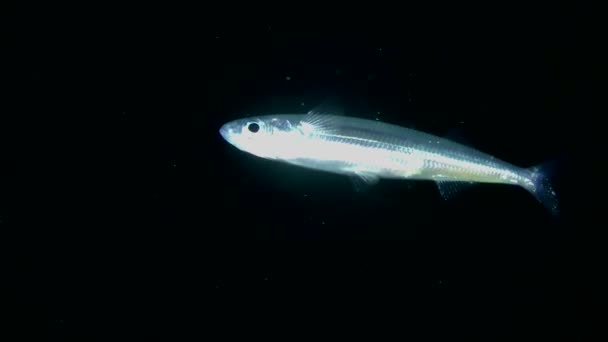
{"x": 263, "y": 136}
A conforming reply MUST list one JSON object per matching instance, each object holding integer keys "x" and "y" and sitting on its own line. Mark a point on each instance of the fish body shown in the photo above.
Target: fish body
{"x": 370, "y": 150}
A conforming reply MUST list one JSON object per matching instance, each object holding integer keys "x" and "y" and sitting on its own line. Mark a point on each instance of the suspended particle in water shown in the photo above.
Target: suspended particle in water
{"x": 438, "y": 284}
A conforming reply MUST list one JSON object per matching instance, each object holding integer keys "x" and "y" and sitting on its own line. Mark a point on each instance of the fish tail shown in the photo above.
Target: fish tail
{"x": 540, "y": 185}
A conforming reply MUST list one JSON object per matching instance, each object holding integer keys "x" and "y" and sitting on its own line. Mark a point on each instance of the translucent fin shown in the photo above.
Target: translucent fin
{"x": 363, "y": 181}
{"x": 322, "y": 117}
{"x": 457, "y": 135}
{"x": 540, "y": 186}
{"x": 368, "y": 178}
{"x": 320, "y": 123}
{"x": 449, "y": 189}
{"x": 359, "y": 184}
{"x": 330, "y": 106}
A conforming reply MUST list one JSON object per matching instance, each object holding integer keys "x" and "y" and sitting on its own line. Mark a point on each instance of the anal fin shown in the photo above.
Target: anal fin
{"x": 450, "y": 189}
{"x": 363, "y": 181}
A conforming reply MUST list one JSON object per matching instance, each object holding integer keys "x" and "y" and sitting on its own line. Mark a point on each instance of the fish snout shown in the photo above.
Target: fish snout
{"x": 225, "y": 132}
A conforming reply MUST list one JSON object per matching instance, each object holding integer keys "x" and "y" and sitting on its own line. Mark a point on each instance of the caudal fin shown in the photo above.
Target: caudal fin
{"x": 540, "y": 186}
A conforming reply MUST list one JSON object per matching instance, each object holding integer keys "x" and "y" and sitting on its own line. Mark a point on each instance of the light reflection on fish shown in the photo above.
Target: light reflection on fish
{"x": 370, "y": 150}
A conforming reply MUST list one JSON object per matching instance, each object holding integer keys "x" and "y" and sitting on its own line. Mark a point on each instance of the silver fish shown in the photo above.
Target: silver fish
{"x": 370, "y": 150}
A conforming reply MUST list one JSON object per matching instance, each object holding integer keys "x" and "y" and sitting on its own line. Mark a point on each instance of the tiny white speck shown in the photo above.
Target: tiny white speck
{"x": 377, "y": 119}
{"x": 265, "y": 278}
{"x": 322, "y": 222}
{"x": 217, "y": 37}
{"x": 302, "y": 103}
{"x": 461, "y": 122}
{"x": 305, "y": 195}
{"x": 288, "y": 78}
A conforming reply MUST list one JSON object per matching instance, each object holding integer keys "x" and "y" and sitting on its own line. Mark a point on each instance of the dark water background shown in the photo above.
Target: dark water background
{"x": 126, "y": 216}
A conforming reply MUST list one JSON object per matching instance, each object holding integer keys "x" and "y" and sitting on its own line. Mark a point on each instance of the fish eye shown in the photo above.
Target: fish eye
{"x": 253, "y": 127}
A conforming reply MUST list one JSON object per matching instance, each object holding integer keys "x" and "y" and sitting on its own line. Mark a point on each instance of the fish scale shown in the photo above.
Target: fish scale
{"x": 437, "y": 163}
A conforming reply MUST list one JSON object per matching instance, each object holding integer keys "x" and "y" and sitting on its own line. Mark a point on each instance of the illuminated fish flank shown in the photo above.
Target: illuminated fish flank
{"x": 370, "y": 150}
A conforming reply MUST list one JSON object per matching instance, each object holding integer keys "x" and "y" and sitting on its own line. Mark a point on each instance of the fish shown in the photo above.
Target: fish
{"x": 369, "y": 150}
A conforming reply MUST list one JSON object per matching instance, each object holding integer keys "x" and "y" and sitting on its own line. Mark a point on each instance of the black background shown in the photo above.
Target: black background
{"x": 125, "y": 215}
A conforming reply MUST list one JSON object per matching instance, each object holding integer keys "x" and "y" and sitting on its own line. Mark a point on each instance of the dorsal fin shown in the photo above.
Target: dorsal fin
{"x": 330, "y": 106}
{"x": 456, "y": 134}
{"x": 321, "y": 118}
